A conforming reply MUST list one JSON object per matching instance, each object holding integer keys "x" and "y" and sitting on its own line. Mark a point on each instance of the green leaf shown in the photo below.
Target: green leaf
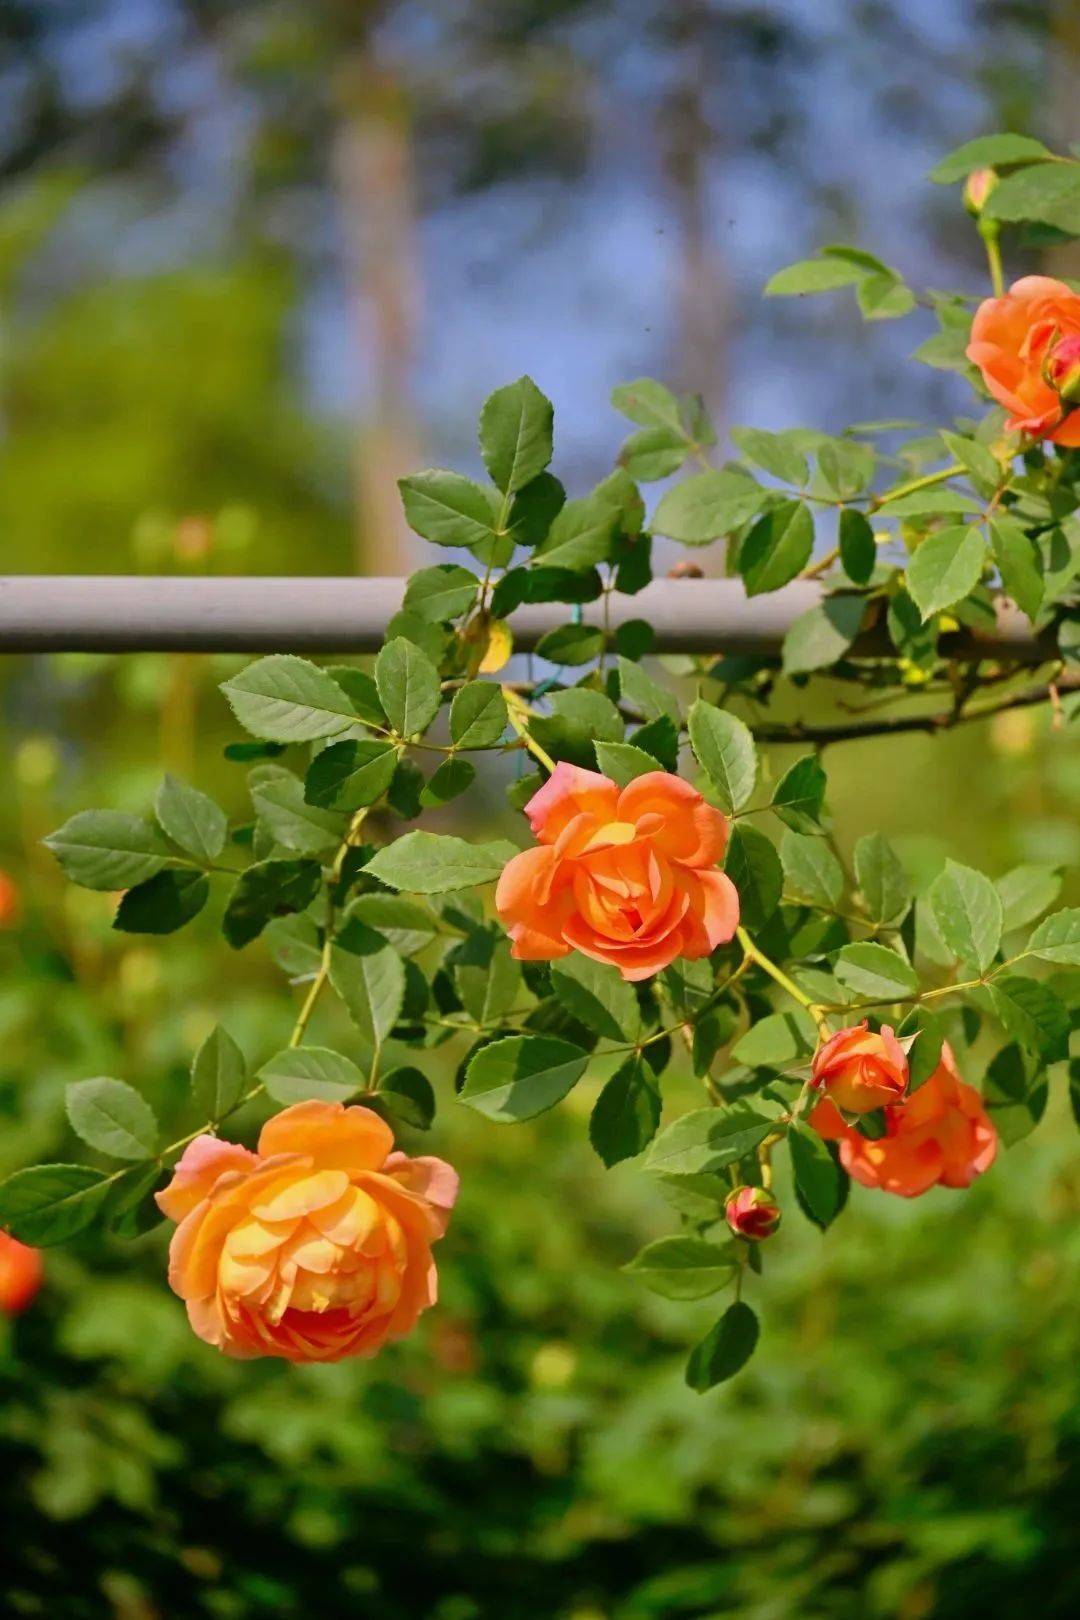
{"x": 348, "y": 775}
{"x": 268, "y": 889}
{"x": 818, "y": 1178}
{"x": 883, "y": 883}
{"x": 571, "y": 644}
{"x": 924, "y": 1055}
{"x": 822, "y": 635}
{"x": 406, "y": 926}
{"x": 409, "y": 688}
{"x": 406, "y": 1094}
{"x": 623, "y": 763}
{"x": 777, "y": 548}
{"x": 927, "y": 503}
{"x": 1026, "y": 892}
{"x": 534, "y": 509}
{"x": 1057, "y": 938}
{"x": 653, "y": 453}
{"x": 1046, "y": 192}
{"x": 1020, "y": 562}
{"x": 1032, "y": 1014}
{"x": 685, "y": 1267}
{"x": 858, "y": 548}
{"x": 812, "y": 276}
{"x": 709, "y": 506}
{"x": 626, "y": 1115}
{"x": 725, "y": 1349}
{"x": 108, "y": 849}
{"x": 777, "y": 1041}
{"x": 884, "y": 297}
{"x": 660, "y": 740}
{"x": 478, "y": 715}
{"x": 946, "y": 567}
{"x": 874, "y": 972}
{"x": 754, "y": 867}
{"x": 289, "y": 700}
{"x": 968, "y": 912}
{"x": 112, "y": 1117}
{"x": 489, "y": 988}
{"x": 50, "y": 1203}
{"x": 191, "y": 819}
{"x": 218, "y": 1075}
{"x": 303, "y": 1073}
{"x": 451, "y": 778}
{"x": 449, "y": 510}
{"x": 650, "y": 404}
{"x": 644, "y": 694}
{"x": 988, "y": 152}
{"x": 708, "y": 1139}
{"x": 370, "y": 979}
{"x": 597, "y": 995}
{"x": 361, "y": 692}
{"x": 581, "y": 534}
{"x": 800, "y": 795}
{"x": 811, "y": 870}
{"x": 522, "y": 1075}
{"x": 434, "y": 863}
{"x": 442, "y": 593}
{"x": 724, "y": 748}
{"x": 163, "y": 903}
{"x": 278, "y": 797}
{"x": 516, "y": 434}
{"x": 775, "y": 452}
{"x": 579, "y": 719}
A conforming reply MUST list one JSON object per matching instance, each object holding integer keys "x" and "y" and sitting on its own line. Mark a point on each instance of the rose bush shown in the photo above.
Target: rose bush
{"x": 687, "y": 916}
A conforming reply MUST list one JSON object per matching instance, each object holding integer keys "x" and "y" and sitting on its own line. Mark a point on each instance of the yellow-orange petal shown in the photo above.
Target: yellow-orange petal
{"x": 200, "y": 1166}
{"x": 333, "y": 1136}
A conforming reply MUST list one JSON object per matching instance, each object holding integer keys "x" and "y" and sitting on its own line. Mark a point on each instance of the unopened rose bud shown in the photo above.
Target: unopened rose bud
{"x": 860, "y": 1070}
{"x": 752, "y": 1213}
{"x": 978, "y": 186}
{"x": 1061, "y": 369}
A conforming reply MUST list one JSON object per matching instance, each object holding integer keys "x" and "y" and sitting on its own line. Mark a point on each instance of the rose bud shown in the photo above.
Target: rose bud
{"x": 860, "y": 1070}
{"x": 752, "y": 1213}
{"x": 1061, "y": 369}
{"x": 20, "y": 1274}
{"x": 978, "y": 186}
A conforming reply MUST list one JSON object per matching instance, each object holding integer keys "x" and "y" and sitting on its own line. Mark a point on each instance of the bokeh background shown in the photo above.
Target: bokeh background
{"x": 256, "y": 260}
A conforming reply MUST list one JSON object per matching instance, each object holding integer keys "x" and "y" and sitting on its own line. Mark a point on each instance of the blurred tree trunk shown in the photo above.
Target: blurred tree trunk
{"x": 1064, "y": 52}
{"x": 686, "y": 142}
{"x": 373, "y": 172}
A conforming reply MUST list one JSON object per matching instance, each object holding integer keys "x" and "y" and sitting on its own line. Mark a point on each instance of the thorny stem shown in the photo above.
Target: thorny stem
{"x": 753, "y": 954}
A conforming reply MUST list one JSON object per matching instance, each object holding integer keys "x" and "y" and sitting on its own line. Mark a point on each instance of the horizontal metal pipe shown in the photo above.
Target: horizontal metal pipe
{"x": 140, "y": 613}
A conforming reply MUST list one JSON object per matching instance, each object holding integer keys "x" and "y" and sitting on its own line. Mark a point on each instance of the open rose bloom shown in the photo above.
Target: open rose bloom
{"x": 940, "y": 1136}
{"x": 624, "y": 875}
{"x": 861, "y": 1069}
{"x": 314, "y": 1248}
{"x": 1023, "y": 343}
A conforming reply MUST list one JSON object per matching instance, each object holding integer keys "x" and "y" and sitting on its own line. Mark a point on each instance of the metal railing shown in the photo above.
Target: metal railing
{"x": 142, "y": 613}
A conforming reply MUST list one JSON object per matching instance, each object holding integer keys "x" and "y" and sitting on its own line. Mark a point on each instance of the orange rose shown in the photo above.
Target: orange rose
{"x": 860, "y": 1070}
{"x": 1014, "y": 341}
{"x": 941, "y": 1135}
{"x": 625, "y": 876}
{"x": 315, "y": 1248}
{"x": 20, "y": 1274}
